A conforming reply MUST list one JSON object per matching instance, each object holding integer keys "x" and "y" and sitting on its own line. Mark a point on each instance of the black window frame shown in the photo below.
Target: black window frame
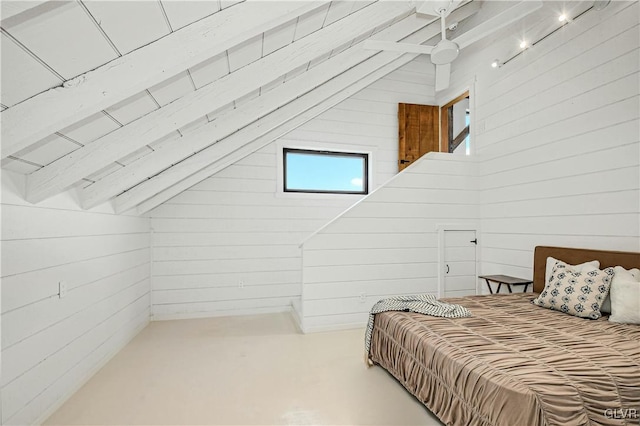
{"x": 363, "y": 155}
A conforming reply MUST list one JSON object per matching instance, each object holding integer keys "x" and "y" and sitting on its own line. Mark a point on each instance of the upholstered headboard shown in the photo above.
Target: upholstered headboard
{"x": 575, "y": 256}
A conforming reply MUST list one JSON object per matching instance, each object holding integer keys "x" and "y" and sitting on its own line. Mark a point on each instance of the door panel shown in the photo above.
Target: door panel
{"x": 468, "y": 252}
{"x": 459, "y": 240}
{"x": 418, "y": 132}
{"x": 459, "y": 263}
{"x": 461, "y": 268}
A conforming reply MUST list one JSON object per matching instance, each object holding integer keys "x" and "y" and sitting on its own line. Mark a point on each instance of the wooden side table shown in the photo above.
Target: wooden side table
{"x": 507, "y": 280}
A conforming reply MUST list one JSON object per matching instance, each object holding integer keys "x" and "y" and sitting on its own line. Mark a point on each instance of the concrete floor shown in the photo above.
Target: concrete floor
{"x": 240, "y": 371}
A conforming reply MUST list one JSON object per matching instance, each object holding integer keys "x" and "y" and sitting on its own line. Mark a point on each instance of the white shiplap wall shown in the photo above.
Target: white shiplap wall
{"x": 559, "y": 155}
{"x": 557, "y": 136}
{"x": 51, "y": 345}
{"x": 229, "y": 245}
{"x": 387, "y": 244}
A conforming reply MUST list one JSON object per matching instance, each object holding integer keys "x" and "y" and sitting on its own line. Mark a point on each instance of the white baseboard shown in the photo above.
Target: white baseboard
{"x": 233, "y": 313}
{"x": 334, "y": 327}
{"x": 55, "y": 406}
{"x": 296, "y": 318}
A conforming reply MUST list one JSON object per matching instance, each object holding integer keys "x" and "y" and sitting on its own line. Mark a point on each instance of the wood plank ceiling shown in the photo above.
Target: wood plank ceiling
{"x": 131, "y": 101}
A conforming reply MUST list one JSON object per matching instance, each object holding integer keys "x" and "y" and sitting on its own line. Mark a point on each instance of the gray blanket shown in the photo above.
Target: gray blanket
{"x": 420, "y": 303}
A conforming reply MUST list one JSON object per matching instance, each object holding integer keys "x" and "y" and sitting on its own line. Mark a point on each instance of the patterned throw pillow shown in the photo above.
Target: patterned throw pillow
{"x": 573, "y": 292}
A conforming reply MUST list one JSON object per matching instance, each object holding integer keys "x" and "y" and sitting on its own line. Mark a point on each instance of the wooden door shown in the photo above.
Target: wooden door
{"x": 418, "y": 129}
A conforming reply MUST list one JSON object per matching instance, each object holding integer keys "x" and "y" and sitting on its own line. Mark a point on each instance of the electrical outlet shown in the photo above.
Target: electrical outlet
{"x": 62, "y": 289}
{"x": 241, "y": 283}
{"x": 363, "y": 297}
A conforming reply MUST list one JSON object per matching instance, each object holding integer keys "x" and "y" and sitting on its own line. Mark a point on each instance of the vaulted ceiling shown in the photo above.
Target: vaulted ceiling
{"x": 132, "y": 102}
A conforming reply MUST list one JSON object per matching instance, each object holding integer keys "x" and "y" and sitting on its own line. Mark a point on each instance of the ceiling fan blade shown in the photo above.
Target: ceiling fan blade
{"x": 497, "y": 22}
{"x": 443, "y": 73}
{"x": 397, "y": 47}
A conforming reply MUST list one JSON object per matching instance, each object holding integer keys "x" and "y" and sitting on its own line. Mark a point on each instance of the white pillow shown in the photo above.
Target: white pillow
{"x": 583, "y": 267}
{"x": 625, "y": 296}
{"x": 606, "y": 305}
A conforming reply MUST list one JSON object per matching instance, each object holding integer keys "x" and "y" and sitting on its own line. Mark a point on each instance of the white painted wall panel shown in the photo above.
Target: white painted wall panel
{"x": 558, "y": 162}
{"x": 234, "y": 228}
{"x": 349, "y": 273}
{"x": 195, "y": 267}
{"x": 563, "y": 54}
{"x": 385, "y": 245}
{"x": 22, "y": 356}
{"x": 187, "y": 224}
{"x": 52, "y": 345}
{"x": 326, "y": 290}
{"x": 367, "y": 241}
{"x": 225, "y": 239}
{"x": 559, "y": 159}
{"x": 524, "y": 241}
{"x": 368, "y": 256}
{"x": 240, "y": 306}
{"x": 169, "y": 282}
{"x": 22, "y": 256}
{"x": 603, "y": 95}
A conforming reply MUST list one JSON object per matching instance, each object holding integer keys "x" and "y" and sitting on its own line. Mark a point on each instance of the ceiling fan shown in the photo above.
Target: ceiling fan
{"x": 446, "y": 51}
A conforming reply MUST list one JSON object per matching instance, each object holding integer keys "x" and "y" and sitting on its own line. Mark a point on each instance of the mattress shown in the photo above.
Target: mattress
{"x": 513, "y": 363}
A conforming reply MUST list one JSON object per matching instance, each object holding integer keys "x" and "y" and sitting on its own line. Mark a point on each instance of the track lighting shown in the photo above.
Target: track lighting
{"x": 564, "y": 20}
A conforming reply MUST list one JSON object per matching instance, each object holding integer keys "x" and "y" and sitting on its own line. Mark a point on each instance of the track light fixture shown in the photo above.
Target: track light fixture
{"x": 564, "y": 19}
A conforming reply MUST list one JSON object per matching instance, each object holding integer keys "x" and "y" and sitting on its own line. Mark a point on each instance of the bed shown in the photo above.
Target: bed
{"x": 513, "y": 363}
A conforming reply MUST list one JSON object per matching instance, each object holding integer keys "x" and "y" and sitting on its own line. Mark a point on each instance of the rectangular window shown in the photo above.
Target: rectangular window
{"x": 325, "y": 172}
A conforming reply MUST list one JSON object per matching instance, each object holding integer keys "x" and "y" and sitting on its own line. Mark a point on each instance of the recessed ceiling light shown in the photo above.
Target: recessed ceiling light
{"x": 494, "y": 64}
{"x": 523, "y": 44}
{"x": 562, "y": 18}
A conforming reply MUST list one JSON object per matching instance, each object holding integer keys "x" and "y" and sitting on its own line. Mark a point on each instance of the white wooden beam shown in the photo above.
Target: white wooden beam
{"x": 64, "y": 172}
{"x": 226, "y": 151}
{"x": 50, "y": 111}
{"x": 497, "y": 22}
{"x": 9, "y": 8}
{"x": 164, "y": 157}
{"x": 397, "y": 47}
{"x": 209, "y": 161}
{"x": 233, "y": 120}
